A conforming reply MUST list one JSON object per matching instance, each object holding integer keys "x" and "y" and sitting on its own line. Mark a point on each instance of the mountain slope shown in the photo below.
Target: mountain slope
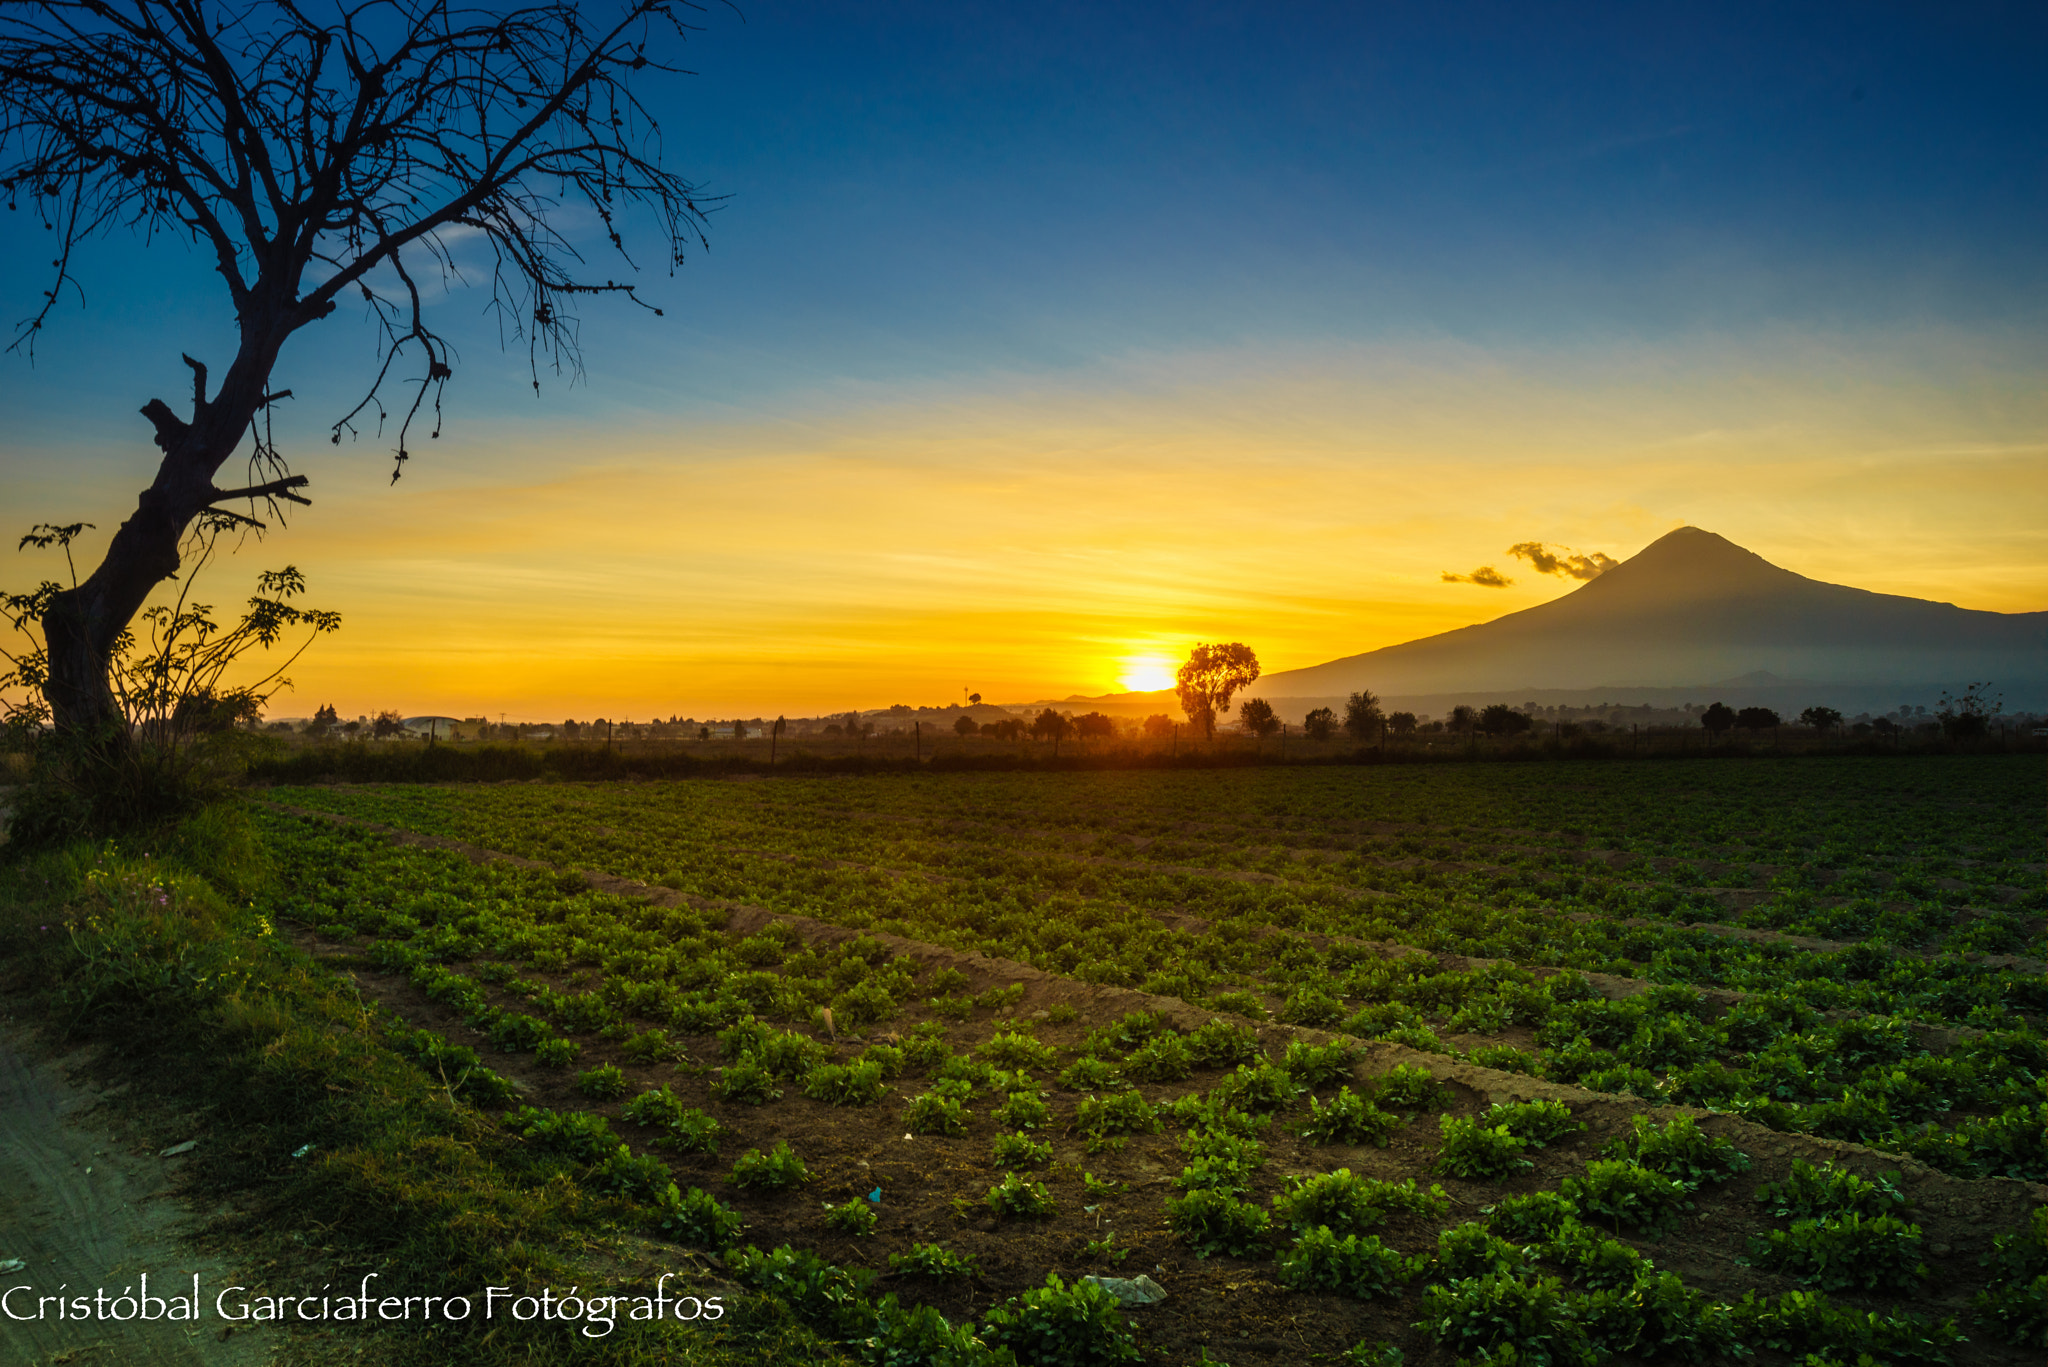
{"x": 1694, "y": 606}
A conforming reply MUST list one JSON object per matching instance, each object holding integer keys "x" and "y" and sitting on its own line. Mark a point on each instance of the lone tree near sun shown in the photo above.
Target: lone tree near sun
{"x": 321, "y": 154}
{"x": 1212, "y": 673}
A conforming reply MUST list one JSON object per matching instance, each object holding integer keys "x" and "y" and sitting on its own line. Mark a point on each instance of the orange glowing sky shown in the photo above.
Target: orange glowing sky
{"x": 1027, "y": 540}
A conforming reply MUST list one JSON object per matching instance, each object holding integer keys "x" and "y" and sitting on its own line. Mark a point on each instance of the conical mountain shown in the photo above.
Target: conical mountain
{"x": 1693, "y": 608}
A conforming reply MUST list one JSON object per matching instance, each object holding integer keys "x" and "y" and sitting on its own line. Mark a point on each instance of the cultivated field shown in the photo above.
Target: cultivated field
{"x": 1548, "y": 1062}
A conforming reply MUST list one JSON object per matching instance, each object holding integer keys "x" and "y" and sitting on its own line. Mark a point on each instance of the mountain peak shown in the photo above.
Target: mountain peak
{"x": 1684, "y": 566}
{"x": 1690, "y": 606}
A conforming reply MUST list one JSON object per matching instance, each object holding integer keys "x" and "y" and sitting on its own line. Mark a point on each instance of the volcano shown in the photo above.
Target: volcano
{"x": 1689, "y": 608}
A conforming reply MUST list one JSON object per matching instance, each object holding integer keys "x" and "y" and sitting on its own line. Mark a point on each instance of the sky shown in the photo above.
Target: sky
{"x": 1035, "y": 344}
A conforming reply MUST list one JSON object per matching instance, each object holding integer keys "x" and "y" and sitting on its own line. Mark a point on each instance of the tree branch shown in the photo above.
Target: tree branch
{"x": 277, "y": 488}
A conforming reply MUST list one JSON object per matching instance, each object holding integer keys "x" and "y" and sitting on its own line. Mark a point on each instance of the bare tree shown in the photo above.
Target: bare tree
{"x": 322, "y": 153}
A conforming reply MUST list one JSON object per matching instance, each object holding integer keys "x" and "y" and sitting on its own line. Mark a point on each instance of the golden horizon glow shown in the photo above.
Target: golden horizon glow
{"x": 1036, "y": 540}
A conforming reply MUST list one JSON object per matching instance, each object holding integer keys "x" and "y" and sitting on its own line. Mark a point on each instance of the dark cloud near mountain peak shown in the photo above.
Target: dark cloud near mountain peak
{"x": 1562, "y": 560}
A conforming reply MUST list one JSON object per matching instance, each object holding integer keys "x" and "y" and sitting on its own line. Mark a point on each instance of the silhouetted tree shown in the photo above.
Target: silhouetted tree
{"x": 1212, "y": 673}
{"x": 316, "y": 161}
{"x": 1498, "y": 719}
{"x": 1756, "y": 719}
{"x": 1158, "y": 726}
{"x": 1968, "y": 714}
{"x": 1718, "y": 718}
{"x": 1256, "y": 716}
{"x": 1822, "y": 719}
{"x": 1462, "y": 719}
{"x": 324, "y": 719}
{"x": 966, "y": 726}
{"x": 1094, "y": 726}
{"x": 1401, "y": 723}
{"x": 1362, "y": 715}
{"x": 1320, "y": 724}
{"x": 387, "y": 723}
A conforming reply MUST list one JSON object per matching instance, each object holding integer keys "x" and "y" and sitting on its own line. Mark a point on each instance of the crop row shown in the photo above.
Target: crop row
{"x": 1785, "y": 1054}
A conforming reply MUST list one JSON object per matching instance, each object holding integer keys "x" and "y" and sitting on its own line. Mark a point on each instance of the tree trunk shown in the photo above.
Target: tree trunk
{"x": 82, "y": 624}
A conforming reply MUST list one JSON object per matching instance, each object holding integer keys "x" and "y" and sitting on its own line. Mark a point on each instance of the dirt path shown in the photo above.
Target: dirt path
{"x": 81, "y": 1211}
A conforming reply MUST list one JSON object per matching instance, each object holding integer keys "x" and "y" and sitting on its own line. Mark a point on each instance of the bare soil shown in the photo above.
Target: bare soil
{"x": 84, "y": 1208}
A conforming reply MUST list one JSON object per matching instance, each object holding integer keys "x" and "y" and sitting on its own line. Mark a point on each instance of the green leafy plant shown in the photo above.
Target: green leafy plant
{"x": 1318, "y": 1065}
{"x": 1310, "y": 1007}
{"x": 1122, "y": 1113}
{"x": 1122, "y": 1036}
{"x": 924, "y": 1048}
{"x": 2017, "y": 1299}
{"x": 603, "y": 1083}
{"x": 746, "y": 1080}
{"x": 1091, "y": 1074}
{"x": 1023, "y": 1111}
{"x": 686, "y": 1128}
{"x": 887, "y": 1057}
{"x": 696, "y": 1218}
{"x": 556, "y": 1052}
{"x": 1507, "y": 1058}
{"x": 578, "y": 1135}
{"x": 1100, "y": 1189}
{"x": 1349, "y": 1203}
{"x": 1626, "y": 1193}
{"x": 1163, "y": 1058}
{"x": 1009, "y": 1049}
{"x": 1471, "y": 1249}
{"x": 1679, "y": 1150}
{"x": 640, "y": 1177}
{"x": 1348, "y": 1118}
{"x": 1482, "y": 1315}
{"x": 938, "y": 1111}
{"x": 1211, "y": 1221}
{"x": 933, "y": 1260}
{"x": 651, "y": 1046}
{"x": 1353, "y": 1265}
{"x": 1257, "y": 1087}
{"x": 1845, "y": 1251}
{"x": 1105, "y": 1247}
{"x": 1410, "y": 1087}
{"x": 1020, "y": 1196}
{"x": 777, "y": 1170}
{"x": 1219, "y": 1043}
{"x": 1240, "y": 1003}
{"x": 855, "y": 1218}
{"x": 1075, "y": 1326}
{"x": 1476, "y": 1150}
{"x": 1542, "y": 1123}
{"x": 1535, "y": 1218}
{"x": 1593, "y": 1259}
{"x": 1828, "y": 1190}
{"x": 1808, "y": 1322}
{"x": 850, "y": 1084}
{"x": 1019, "y": 1151}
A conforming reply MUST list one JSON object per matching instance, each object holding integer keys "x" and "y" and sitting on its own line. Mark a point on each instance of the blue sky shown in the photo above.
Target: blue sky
{"x": 1072, "y": 230}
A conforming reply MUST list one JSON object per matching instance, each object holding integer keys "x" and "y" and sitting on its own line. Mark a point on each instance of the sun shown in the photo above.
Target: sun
{"x": 1145, "y": 674}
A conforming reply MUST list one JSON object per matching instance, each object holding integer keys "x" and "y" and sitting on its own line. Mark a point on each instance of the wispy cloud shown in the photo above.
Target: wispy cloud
{"x": 1486, "y": 577}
